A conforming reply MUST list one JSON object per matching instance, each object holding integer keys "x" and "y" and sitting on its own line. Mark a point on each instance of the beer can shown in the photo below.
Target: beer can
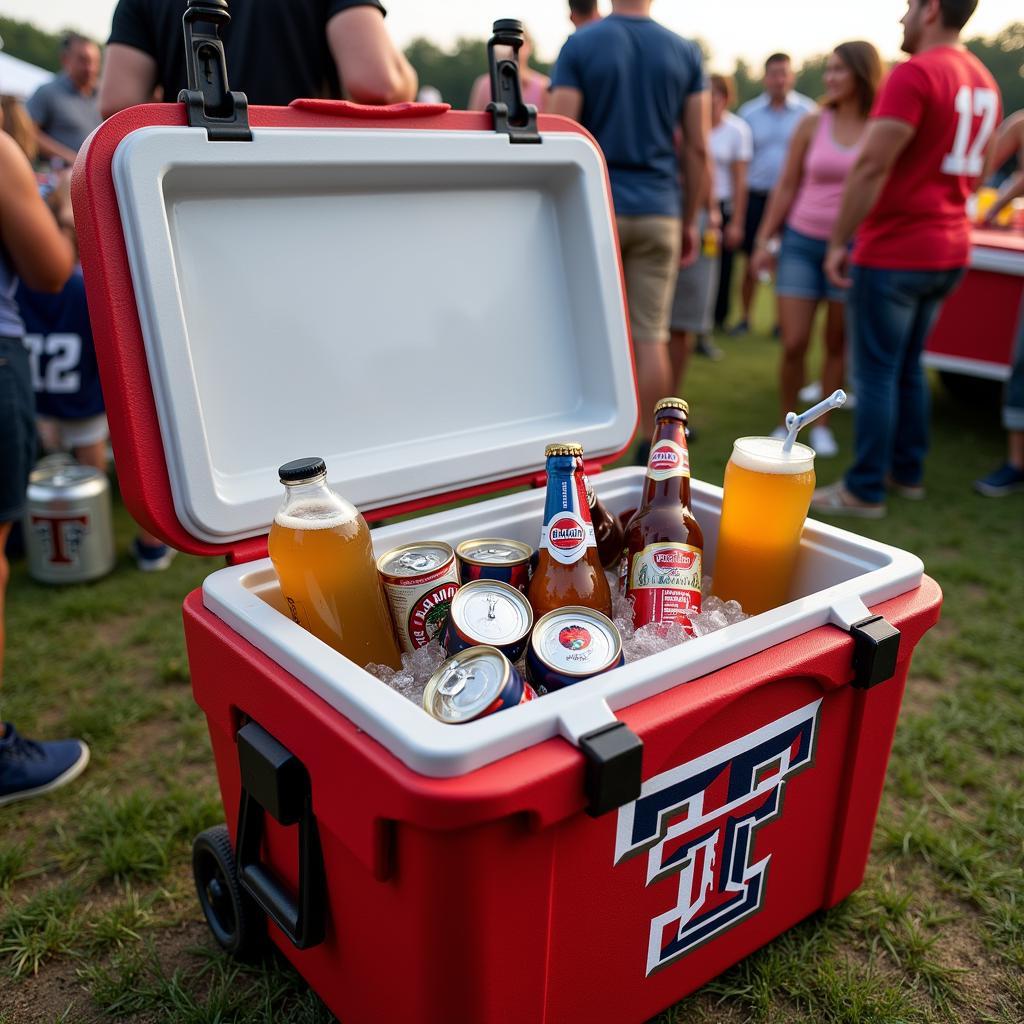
{"x": 420, "y": 581}
{"x": 571, "y": 644}
{"x": 492, "y": 614}
{"x": 494, "y": 558}
{"x": 474, "y": 683}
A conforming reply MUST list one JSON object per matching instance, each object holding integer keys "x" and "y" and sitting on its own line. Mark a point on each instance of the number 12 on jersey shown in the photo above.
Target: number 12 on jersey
{"x": 966, "y": 157}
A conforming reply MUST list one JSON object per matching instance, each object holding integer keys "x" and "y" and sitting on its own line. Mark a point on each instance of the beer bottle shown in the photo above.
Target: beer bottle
{"x": 568, "y": 568}
{"x": 321, "y": 549}
{"x": 608, "y": 530}
{"x": 664, "y": 548}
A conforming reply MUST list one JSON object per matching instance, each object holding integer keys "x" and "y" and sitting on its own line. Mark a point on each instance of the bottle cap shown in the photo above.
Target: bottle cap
{"x": 564, "y": 448}
{"x": 301, "y": 469}
{"x": 672, "y": 403}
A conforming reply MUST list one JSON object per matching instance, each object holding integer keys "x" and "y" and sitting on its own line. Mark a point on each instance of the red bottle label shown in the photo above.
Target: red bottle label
{"x": 664, "y": 582}
{"x": 668, "y": 459}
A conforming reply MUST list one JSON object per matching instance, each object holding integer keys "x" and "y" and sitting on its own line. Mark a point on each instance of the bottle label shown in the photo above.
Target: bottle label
{"x": 664, "y": 583}
{"x": 668, "y": 459}
{"x": 567, "y": 537}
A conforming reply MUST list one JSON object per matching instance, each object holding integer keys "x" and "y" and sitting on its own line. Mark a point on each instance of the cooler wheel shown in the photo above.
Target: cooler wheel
{"x": 233, "y": 916}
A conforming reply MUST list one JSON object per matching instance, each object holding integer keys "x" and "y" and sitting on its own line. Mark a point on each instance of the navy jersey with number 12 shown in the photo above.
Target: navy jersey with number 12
{"x": 58, "y": 337}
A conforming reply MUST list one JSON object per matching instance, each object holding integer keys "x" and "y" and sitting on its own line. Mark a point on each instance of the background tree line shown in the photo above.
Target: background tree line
{"x": 453, "y": 71}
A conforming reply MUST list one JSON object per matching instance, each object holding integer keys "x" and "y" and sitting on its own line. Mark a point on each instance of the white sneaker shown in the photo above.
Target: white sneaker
{"x": 811, "y": 392}
{"x": 823, "y": 441}
{"x": 780, "y": 433}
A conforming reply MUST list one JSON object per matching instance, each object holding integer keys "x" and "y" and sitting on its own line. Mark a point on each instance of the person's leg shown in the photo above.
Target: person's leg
{"x": 5, "y": 575}
{"x": 723, "y": 294}
{"x": 755, "y": 211}
{"x": 680, "y": 345}
{"x": 796, "y": 318}
{"x": 911, "y": 434}
{"x": 651, "y": 266}
{"x": 833, "y": 371}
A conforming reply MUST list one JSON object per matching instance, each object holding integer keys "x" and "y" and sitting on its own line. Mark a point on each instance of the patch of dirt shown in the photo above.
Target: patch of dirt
{"x": 921, "y": 694}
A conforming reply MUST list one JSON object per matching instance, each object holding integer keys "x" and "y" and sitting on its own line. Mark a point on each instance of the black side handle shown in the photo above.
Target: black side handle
{"x": 614, "y": 756}
{"x": 275, "y": 782}
{"x": 876, "y": 647}
{"x": 208, "y": 99}
{"x": 512, "y": 117}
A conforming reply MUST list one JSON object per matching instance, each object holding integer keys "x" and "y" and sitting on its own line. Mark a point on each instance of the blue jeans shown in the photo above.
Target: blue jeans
{"x": 1013, "y": 404}
{"x": 890, "y": 313}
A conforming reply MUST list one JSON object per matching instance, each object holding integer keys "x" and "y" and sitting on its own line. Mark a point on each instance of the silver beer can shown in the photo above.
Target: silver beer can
{"x": 69, "y": 532}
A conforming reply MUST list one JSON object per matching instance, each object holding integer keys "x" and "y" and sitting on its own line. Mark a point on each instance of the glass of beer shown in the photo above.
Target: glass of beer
{"x": 767, "y": 494}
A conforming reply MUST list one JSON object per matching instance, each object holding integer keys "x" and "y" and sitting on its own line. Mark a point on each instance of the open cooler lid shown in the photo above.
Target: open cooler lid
{"x": 399, "y": 290}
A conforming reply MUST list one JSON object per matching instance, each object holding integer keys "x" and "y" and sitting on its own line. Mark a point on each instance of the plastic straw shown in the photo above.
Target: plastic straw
{"x": 795, "y": 423}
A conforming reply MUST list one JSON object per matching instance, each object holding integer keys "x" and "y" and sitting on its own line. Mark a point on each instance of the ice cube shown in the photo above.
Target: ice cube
{"x": 653, "y": 638}
{"x": 385, "y": 673}
{"x": 712, "y": 604}
{"x": 424, "y": 661}
{"x": 734, "y": 612}
{"x": 705, "y": 587}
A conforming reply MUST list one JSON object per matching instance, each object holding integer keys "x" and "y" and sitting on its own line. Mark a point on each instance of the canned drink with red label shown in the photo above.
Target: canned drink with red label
{"x": 571, "y": 644}
{"x": 474, "y": 683}
{"x": 420, "y": 581}
{"x": 493, "y": 558}
{"x": 489, "y": 613}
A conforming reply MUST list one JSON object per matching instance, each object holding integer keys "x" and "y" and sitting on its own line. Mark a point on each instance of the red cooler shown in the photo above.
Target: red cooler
{"x": 425, "y": 298}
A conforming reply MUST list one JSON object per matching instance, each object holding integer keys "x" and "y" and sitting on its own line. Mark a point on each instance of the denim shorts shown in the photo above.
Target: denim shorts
{"x": 17, "y": 428}
{"x": 800, "y": 273}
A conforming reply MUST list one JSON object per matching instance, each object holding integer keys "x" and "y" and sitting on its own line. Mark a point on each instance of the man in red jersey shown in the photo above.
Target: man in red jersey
{"x": 924, "y": 150}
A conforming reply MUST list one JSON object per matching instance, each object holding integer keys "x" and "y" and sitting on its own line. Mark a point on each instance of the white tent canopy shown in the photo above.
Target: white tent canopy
{"x": 19, "y": 78}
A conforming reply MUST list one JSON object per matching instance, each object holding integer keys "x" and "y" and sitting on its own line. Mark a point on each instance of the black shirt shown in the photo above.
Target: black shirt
{"x": 276, "y": 50}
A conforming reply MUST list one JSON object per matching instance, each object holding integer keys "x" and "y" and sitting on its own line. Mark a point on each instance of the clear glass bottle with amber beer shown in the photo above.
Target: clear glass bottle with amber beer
{"x": 608, "y": 530}
{"x": 664, "y": 552}
{"x": 568, "y": 567}
{"x": 321, "y": 549}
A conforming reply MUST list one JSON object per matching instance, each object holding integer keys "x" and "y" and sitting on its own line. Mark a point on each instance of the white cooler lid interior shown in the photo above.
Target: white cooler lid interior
{"x": 424, "y": 309}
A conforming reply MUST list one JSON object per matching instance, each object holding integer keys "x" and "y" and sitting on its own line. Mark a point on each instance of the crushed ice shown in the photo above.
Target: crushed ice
{"x": 417, "y": 667}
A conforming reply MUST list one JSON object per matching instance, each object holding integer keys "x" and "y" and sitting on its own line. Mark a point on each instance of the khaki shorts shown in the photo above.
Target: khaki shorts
{"x": 69, "y": 434}
{"x": 650, "y": 248}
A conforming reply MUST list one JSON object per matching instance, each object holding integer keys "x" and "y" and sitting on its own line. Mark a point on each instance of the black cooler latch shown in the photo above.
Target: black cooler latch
{"x": 614, "y": 756}
{"x": 208, "y": 100}
{"x": 275, "y": 782}
{"x": 876, "y": 647}
{"x": 512, "y": 117}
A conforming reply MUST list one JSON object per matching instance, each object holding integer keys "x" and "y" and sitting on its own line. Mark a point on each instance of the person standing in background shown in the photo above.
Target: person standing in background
{"x": 276, "y": 50}
{"x": 773, "y": 118}
{"x": 923, "y": 153}
{"x": 804, "y": 205}
{"x": 632, "y": 83}
{"x": 535, "y": 85}
{"x": 583, "y": 12}
{"x": 732, "y": 146}
{"x": 1009, "y": 477}
{"x": 66, "y": 109}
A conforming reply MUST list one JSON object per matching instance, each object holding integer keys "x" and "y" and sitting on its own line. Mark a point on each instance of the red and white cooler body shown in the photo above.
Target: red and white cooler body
{"x": 426, "y": 304}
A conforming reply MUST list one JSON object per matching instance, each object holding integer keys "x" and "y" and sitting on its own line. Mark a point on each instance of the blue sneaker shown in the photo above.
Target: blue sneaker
{"x": 152, "y": 558}
{"x": 30, "y": 769}
{"x": 1005, "y": 480}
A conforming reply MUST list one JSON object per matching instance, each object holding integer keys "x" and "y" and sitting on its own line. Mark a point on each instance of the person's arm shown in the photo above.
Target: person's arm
{"x": 480, "y": 94}
{"x": 780, "y": 202}
{"x": 38, "y": 107}
{"x": 50, "y": 148}
{"x": 884, "y": 139}
{"x": 129, "y": 78}
{"x": 565, "y": 101}
{"x": 1010, "y": 138}
{"x": 695, "y": 165}
{"x": 41, "y": 255}
{"x": 371, "y": 68}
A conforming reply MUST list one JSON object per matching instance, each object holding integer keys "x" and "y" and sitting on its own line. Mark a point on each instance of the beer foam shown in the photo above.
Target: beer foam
{"x": 316, "y": 515}
{"x": 765, "y": 455}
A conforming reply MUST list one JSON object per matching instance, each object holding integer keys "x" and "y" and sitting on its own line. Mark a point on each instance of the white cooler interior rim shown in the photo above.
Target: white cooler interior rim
{"x": 839, "y": 575}
{"x": 424, "y": 309}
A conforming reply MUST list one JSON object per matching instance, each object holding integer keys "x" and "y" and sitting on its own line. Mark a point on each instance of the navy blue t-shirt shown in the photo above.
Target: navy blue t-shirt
{"x": 635, "y": 76}
{"x": 59, "y": 342}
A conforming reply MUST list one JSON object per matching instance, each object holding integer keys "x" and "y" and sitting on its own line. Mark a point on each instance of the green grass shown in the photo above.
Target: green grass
{"x": 98, "y": 920}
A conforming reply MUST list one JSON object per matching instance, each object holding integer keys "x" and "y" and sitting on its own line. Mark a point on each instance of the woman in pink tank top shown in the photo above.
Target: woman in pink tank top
{"x": 804, "y": 206}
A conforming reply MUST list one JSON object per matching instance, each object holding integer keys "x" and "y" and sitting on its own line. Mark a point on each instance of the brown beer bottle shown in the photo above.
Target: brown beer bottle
{"x": 608, "y": 530}
{"x": 664, "y": 552}
{"x": 568, "y": 568}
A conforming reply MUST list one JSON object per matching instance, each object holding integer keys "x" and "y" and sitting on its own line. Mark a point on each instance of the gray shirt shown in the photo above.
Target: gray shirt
{"x": 64, "y": 113}
{"x": 772, "y": 128}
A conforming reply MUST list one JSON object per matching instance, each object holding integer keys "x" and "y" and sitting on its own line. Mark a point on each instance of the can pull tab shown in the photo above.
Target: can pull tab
{"x": 512, "y": 117}
{"x": 208, "y": 100}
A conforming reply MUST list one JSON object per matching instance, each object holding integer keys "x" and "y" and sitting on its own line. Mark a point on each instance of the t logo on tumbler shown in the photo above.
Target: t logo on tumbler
{"x": 700, "y": 820}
